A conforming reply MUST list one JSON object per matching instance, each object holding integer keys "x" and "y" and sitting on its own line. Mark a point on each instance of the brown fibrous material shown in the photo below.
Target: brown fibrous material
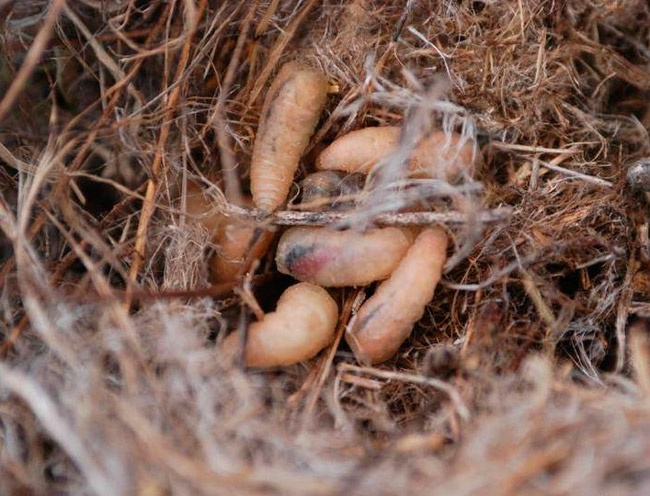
{"x": 528, "y": 372}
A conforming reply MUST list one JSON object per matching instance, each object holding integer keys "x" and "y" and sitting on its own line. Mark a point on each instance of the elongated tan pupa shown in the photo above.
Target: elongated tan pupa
{"x": 237, "y": 243}
{"x": 291, "y": 111}
{"x": 302, "y": 324}
{"x": 341, "y": 258}
{"x": 330, "y": 189}
{"x": 386, "y": 319}
{"x": 438, "y": 155}
{"x": 201, "y": 210}
{"x": 237, "y": 249}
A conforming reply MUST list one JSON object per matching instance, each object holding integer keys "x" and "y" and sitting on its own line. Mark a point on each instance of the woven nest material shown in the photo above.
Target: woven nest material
{"x": 530, "y": 370}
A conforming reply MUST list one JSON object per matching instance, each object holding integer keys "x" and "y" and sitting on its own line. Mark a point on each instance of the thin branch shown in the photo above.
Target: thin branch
{"x": 341, "y": 219}
{"x": 578, "y": 175}
{"x": 533, "y": 149}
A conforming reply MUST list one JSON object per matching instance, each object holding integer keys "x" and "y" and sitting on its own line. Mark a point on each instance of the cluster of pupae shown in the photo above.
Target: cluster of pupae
{"x": 408, "y": 261}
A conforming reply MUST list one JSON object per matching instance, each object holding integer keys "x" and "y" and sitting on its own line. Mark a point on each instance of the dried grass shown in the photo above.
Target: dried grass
{"x": 529, "y": 373}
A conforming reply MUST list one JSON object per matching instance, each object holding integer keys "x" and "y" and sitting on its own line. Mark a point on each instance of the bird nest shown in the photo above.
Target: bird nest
{"x": 529, "y": 372}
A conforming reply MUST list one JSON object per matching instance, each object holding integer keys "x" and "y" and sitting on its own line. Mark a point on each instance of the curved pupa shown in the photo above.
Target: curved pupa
{"x": 386, "y": 319}
{"x": 303, "y": 324}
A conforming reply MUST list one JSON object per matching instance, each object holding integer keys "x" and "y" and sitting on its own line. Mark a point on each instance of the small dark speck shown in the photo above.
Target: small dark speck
{"x": 296, "y": 253}
{"x": 369, "y": 317}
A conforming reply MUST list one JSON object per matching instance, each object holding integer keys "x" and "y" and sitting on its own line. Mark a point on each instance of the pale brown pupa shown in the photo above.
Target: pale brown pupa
{"x": 292, "y": 108}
